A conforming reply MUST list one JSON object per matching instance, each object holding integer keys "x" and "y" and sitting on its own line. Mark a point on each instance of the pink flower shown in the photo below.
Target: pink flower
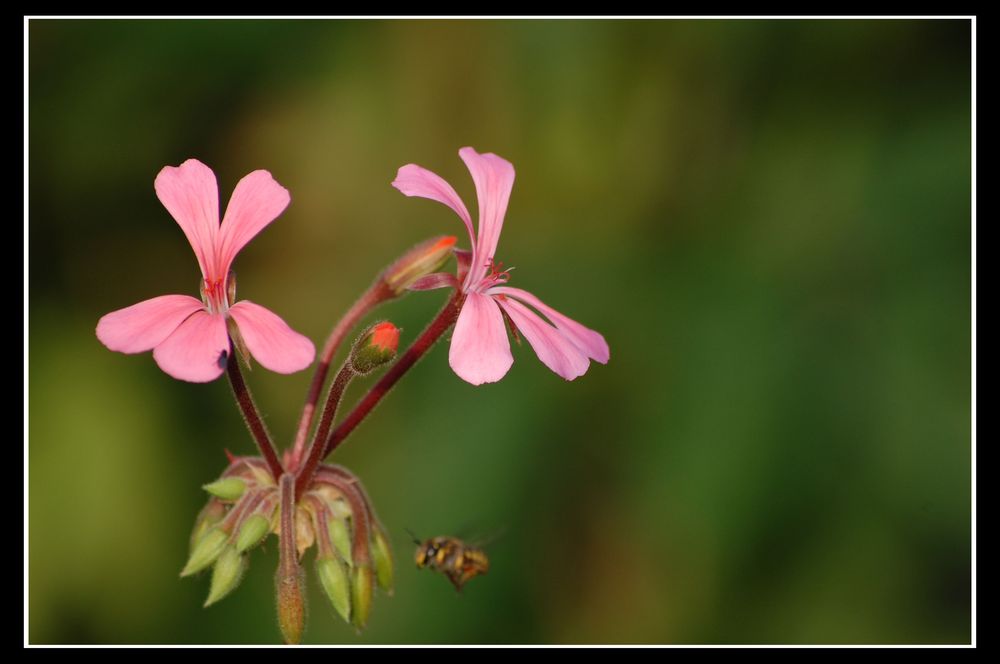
{"x": 480, "y": 350}
{"x": 188, "y": 337}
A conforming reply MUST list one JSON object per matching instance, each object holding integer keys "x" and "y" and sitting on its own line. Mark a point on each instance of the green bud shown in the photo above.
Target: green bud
{"x": 226, "y": 575}
{"x": 333, "y": 578}
{"x": 253, "y": 530}
{"x": 205, "y": 551}
{"x": 339, "y": 508}
{"x": 210, "y": 515}
{"x": 361, "y": 595}
{"x": 382, "y": 555}
{"x": 427, "y": 257}
{"x": 375, "y": 347}
{"x": 227, "y": 488}
{"x": 340, "y": 535}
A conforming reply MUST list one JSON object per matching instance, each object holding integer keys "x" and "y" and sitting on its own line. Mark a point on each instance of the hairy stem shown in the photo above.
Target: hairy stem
{"x": 289, "y": 580}
{"x": 377, "y": 293}
{"x": 444, "y": 320}
{"x": 360, "y": 522}
{"x": 314, "y": 456}
{"x": 252, "y": 417}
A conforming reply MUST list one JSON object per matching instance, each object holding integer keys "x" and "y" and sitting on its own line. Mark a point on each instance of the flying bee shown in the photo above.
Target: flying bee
{"x": 452, "y": 557}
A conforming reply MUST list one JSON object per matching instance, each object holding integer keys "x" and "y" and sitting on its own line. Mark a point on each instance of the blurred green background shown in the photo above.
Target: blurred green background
{"x": 768, "y": 220}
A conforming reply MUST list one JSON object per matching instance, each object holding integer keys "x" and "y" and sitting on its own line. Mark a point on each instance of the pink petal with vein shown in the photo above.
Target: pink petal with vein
{"x": 191, "y": 195}
{"x": 257, "y": 201}
{"x": 194, "y": 352}
{"x": 590, "y": 343}
{"x": 480, "y": 351}
{"x": 272, "y": 343}
{"x": 555, "y": 350}
{"x": 413, "y": 180}
{"x": 494, "y": 178}
{"x": 145, "y": 325}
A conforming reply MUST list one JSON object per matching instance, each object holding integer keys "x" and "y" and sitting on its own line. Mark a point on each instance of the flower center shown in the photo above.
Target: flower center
{"x": 217, "y": 295}
{"x": 495, "y": 275}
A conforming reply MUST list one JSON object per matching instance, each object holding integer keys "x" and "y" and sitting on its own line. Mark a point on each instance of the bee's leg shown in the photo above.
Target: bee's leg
{"x": 457, "y": 580}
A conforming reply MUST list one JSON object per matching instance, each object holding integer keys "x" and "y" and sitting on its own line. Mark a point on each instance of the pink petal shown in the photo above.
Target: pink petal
{"x": 272, "y": 343}
{"x": 413, "y": 180}
{"x": 590, "y": 343}
{"x": 197, "y": 349}
{"x": 255, "y": 203}
{"x": 555, "y": 351}
{"x": 143, "y": 326}
{"x": 191, "y": 195}
{"x": 494, "y": 178}
{"x": 480, "y": 351}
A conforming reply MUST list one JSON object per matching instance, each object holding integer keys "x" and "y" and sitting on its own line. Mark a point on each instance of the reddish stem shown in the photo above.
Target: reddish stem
{"x": 377, "y": 293}
{"x": 321, "y": 517}
{"x": 444, "y": 320}
{"x": 246, "y": 503}
{"x": 315, "y": 454}
{"x": 288, "y": 555}
{"x": 340, "y": 477}
{"x": 289, "y": 580}
{"x": 252, "y": 417}
{"x": 360, "y": 524}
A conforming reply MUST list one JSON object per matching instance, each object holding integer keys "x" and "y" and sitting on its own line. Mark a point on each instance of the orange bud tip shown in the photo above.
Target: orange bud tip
{"x": 447, "y": 242}
{"x": 385, "y": 337}
{"x": 375, "y": 347}
{"x": 423, "y": 259}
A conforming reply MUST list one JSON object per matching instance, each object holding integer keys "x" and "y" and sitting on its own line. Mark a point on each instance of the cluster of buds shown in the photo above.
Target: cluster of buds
{"x": 315, "y": 504}
{"x": 334, "y": 514}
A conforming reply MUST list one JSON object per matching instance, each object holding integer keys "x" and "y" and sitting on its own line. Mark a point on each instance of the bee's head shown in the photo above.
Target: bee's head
{"x": 426, "y": 553}
{"x": 425, "y": 550}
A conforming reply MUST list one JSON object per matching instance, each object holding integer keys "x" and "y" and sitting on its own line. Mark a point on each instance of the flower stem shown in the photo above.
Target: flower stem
{"x": 252, "y": 417}
{"x": 377, "y": 293}
{"x": 444, "y": 320}
{"x": 288, "y": 554}
{"x": 360, "y": 516}
{"x": 314, "y": 456}
{"x": 288, "y": 580}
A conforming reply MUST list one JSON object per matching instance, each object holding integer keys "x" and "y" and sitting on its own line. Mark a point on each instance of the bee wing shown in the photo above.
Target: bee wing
{"x": 491, "y": 538}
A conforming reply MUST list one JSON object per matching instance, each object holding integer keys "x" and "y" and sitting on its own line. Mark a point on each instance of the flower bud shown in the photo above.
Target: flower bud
{"x": 210, "y": 515}
{"x": 226, "y": 575}
{"x": 361, "y": 595}
{"x": 252, "y": 532}
{"x": 291, "y": 604}
{"x": 227, "y": 488}
{"x": 336, "y": 585}
{"x": 340, "y": 535}
{"x": 205, "y": 551}
{"x": 375, "y": 347}
{"x": 421, "y": 260}
{"x": 382, "y": 557}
